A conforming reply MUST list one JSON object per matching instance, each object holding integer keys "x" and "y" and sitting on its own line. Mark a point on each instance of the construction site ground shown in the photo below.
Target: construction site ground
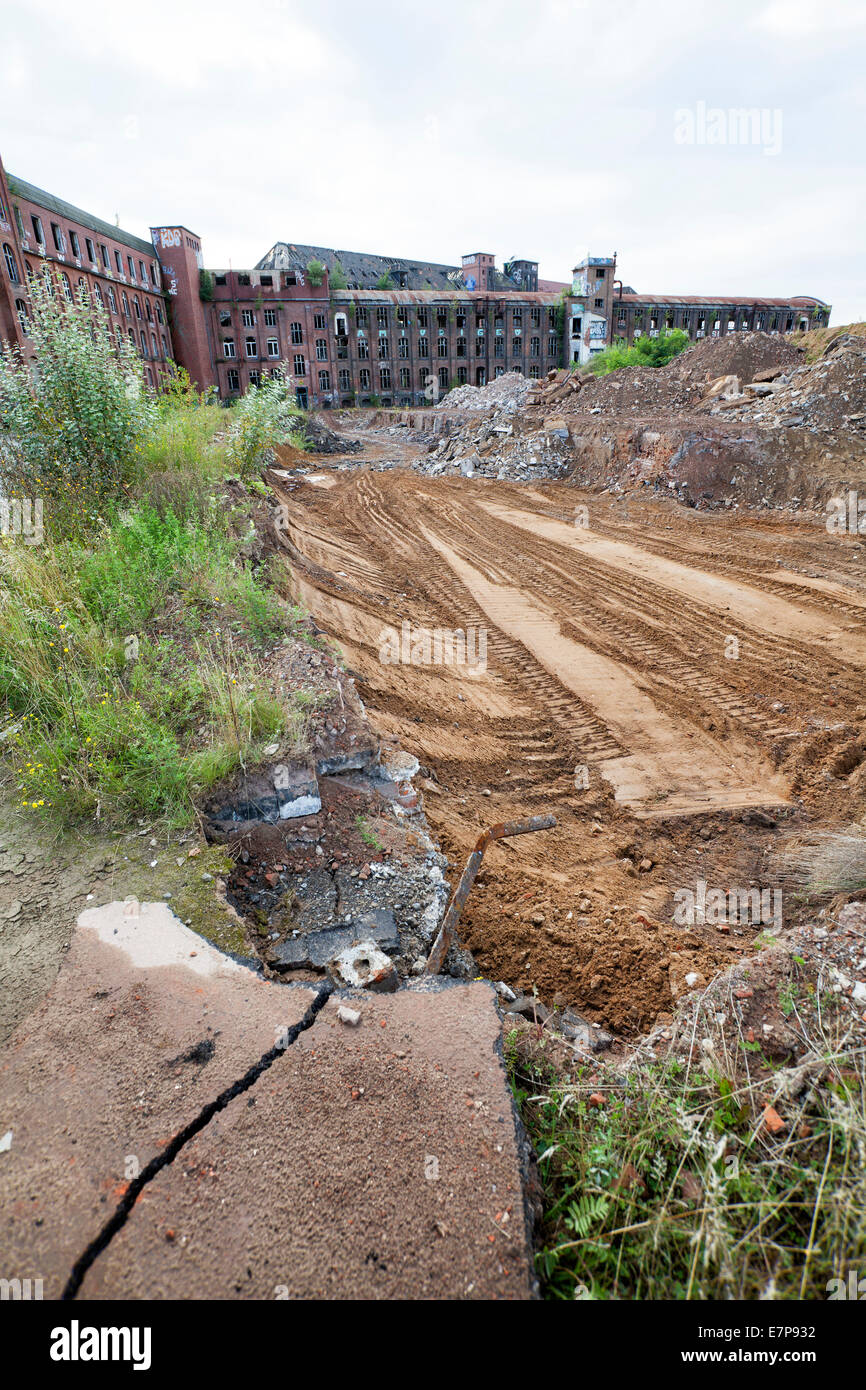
{"x": 682, "y": 688}
{"x": 707, "y": 672}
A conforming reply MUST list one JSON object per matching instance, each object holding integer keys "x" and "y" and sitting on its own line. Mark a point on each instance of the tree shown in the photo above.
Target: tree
{"x": 337, "y": 277}
{"x": 385, "y": 282}
{"x": 316, "y": 273}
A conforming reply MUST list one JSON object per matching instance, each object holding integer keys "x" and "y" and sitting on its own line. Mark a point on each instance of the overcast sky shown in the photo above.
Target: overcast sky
{"x": 542, "y": 129}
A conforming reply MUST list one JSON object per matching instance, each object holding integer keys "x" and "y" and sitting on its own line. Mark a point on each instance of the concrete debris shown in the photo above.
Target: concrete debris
{"x": 351, "y": 1017}
{"x": 363, "y": 966}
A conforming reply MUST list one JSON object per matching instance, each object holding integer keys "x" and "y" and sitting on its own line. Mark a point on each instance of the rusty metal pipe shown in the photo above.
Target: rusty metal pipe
{"x": 503, "y": 831}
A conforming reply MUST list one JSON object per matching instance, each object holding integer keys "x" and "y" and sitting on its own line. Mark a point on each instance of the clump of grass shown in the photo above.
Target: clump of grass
{"x": 666, "y": 1184}
{"x": 131, "y": 669}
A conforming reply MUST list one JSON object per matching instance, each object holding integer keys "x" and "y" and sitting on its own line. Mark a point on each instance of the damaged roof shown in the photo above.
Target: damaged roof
{"x": 363, "y": 270}
{"x": 672, "y": 300}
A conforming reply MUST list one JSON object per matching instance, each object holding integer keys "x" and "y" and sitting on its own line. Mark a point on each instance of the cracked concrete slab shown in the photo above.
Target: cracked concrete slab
{"x": 378, "y": 1161}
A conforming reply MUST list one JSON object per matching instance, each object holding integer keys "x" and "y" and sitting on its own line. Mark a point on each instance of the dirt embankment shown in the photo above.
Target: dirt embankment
{"x": 744, "y": 420}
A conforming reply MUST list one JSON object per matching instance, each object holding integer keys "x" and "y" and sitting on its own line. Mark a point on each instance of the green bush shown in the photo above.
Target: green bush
{"x": 72, "y": 428}
{"x": 266, "y": 415}
{"x": 316, "y": 273}
{"x": 646, "y": 352}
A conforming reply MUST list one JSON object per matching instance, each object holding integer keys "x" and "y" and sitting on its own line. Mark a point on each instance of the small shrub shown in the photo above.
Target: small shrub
{"x": 73, "y": 426}
{"x": 266, "y": 415}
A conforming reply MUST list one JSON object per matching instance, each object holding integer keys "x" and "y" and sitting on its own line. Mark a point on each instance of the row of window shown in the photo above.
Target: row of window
{"x": 101, "y": 299}
{"x": 63, "y": 244}
{"x": 365, "y": 378}
{"x": 682, "y": 318}
{"x": 147, "y": 350}
{"x": 251, "y": 347}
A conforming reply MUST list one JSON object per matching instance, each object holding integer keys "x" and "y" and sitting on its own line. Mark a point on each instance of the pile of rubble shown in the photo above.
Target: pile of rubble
{"x": 823, "y": 396}
{"x": 682, "y": 384}
{"x": 506, "y": 394}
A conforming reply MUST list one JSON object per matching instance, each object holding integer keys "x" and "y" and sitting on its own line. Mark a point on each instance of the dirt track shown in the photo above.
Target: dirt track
{"x": 609, "y": 646}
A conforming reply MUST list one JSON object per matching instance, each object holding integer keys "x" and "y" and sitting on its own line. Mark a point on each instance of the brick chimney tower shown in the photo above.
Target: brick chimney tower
{"x": 180, "y": 260}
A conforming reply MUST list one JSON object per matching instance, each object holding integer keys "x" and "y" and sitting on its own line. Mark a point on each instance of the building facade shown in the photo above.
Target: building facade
{"x": 354, "y": 328}
{"x": 120, "y": 273}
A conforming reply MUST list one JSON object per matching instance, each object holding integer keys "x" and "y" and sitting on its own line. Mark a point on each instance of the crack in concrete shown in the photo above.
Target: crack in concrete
{"x": 124, "y": 1207}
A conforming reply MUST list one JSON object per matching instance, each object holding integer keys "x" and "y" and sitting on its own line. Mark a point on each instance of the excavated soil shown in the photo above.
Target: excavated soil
{"x": 707, "y": 672}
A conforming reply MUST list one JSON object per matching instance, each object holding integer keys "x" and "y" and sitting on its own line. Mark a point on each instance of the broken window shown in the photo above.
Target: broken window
{"x": 461, "y": 347}
{"x": 40, "y": 235}
{"x": 270, "y": 318}
{"x": 480, "y": 376}
{"x": 91, "y": 249}
{"x": 75, "y": 244}
{"x": 402, "y": 315}
{"x": 248, "y": 318}
{"x": 232, "y": 379}
{"x": 225, "y": 317}
{"x": 289, "y": 279}
{"x": 267, "y": 279}
{"x": 361, "y": 316}
{"x": 384, "y": 346}
{"x": 273, "y": 347}
{"x": 499, "y": 347}
{"x": 59, "y": 239}
{"x": 363, "y": 345}
{"x": 462, "y": 375}
{"x": 11, "y": 266}
{"x": 228, "y": 347}
{"x": 342, "y": 349}
{"x": 364, "y": 378}
{"x": 423, "y": 347}
{"x": 535, "y": 316}
{"x": 516, "y": 346}
{"x": 403, "y": 346}
{"x": 385, "y": 378}
{"x": 517, "y": 317}
{"x": 405, "y": 379}
{"x": 125, "y": 302}
{"x": 243, "y": 279}
{"x": 443, "y": 378}
{"x": 297, "y": 333}
{"x": 324, "y": 380}
{"x": 479, "y": 347}
{"x": 535, "y": 347}
{"x": 553, "y": 345}
{"x": 319, "y": 321}
{"x": 321, "y": 349}
{"x": 300, "y": 365}
{"x": 345, "y": 379}
{"x": 220, "y": 279}
{"x": 382, "y": 316}
{"x": 442, "y": 318}
{"x": 442, "y": 347}
{"x": 254, "y": 377}
{"x": 551, "y": 317}
{"x": 535, "y": 371}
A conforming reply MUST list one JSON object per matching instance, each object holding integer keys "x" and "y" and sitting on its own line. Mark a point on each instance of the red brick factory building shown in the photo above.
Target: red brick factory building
{"x": 355, "y": 328}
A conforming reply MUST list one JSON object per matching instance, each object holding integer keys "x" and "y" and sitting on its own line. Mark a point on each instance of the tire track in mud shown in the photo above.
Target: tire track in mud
{"x": 368, "y": 554}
